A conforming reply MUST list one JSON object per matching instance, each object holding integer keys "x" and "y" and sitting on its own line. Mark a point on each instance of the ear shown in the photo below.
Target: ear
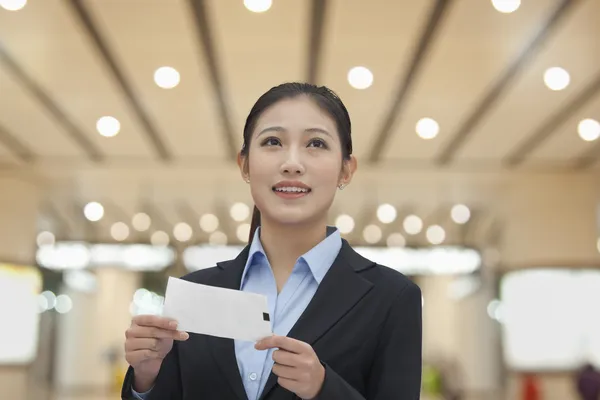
{"x": 242, "y": 162}
{"x": 348, "y": 170}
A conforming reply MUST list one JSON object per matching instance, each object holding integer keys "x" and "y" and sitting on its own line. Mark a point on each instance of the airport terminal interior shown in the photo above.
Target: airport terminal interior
{"x": 475, "y": 123}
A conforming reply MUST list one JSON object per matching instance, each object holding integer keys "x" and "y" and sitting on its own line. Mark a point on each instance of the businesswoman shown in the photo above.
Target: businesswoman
{"x": 344, "y": 327}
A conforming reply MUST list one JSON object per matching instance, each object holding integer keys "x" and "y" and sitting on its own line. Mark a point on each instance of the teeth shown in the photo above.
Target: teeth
{"x": 291, "y": 189}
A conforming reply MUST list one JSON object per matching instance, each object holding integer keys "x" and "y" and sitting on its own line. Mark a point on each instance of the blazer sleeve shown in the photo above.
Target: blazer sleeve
{"x": 397, "y": 368}
{"x": 168, "y": 381}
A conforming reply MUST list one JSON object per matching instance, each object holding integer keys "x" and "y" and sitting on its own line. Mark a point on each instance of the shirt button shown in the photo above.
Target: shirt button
{"x": 253, "y": 376}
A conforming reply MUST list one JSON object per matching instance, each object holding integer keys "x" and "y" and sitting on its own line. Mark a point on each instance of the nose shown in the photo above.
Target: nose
{"x": 292, "y": 164}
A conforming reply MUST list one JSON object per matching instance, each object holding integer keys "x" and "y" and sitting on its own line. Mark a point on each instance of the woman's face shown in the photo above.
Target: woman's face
{"x": 295, "y": 162}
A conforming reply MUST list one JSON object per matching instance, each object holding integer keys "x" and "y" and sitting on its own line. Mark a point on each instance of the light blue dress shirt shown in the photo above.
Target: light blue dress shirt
{"x": 285, "y": 308}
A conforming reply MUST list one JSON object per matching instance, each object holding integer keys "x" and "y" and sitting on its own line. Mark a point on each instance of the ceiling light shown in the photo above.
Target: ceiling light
{"x": 436, "y": 234}
{"x": 119, "y": 231}
{"x": 396, "y": 240}
{"x": 108, "y": 126}
{"x": 386, "y": 213}
{"x": 412, "y": 224}
{"x": 64, "y": 304}
{"x": 460, "y": 214}
{"x": 258, "y": 6}
{"x": 50, "y": 299}
{"x": 360, "y": 77}
{"x": 93, "y": 211}
{"x": 13, "y": 5}
{"x": 506, "y": 6}
{"x": 141, "y": 222}
{"x": 209, "y": 223}
{"x": 182, "y": 232}
{"x": 45, "y": 239}
{"x": 159, "y": 238}
{"x": 344, "y": 223}
{"x": 243, "y": 231}
{"x": 556, "y": 78}
{"x": 167, "y": 77}
{"x": 239, "y": 212}
{"x": 217, "y": 238}
{"x": 589, "y": 129}
{"x": 372, "y": 234}
{"x": 427, "y": 128}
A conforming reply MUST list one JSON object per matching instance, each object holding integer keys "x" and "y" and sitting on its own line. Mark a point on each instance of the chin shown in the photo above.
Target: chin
{"x": 293, "y": 215}
{"x": 293, "y": 212}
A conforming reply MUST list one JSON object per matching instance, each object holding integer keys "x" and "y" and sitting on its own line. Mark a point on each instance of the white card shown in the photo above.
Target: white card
{"x": 216, "y": 311}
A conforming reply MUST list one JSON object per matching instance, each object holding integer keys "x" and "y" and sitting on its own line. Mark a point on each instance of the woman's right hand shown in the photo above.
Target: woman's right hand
{"x": 148, "y": 341}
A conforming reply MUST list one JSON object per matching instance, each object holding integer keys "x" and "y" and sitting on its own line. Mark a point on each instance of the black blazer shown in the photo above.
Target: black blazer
{"x": 364, "y": 323}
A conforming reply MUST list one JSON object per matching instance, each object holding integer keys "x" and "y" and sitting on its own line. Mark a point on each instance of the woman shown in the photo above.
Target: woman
{"x": 344, "y": 327}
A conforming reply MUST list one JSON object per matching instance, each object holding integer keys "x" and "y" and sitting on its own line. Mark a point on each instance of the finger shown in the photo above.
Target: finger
{"x": 139, "y": 356}
{"x": 155, "y": 321}
{"x": 158, "y": 333}
{"x": 282, "y": 342}
{"x": 141, "y": 344}
{"x": 284, "y": 357}
{"x": 289, "y": 384}
{"x": 283, "y": 371}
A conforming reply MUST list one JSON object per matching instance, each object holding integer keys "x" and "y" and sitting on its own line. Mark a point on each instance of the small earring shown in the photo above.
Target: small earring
{"x": 341, "y": 186}
{"x": 247, "y": 180}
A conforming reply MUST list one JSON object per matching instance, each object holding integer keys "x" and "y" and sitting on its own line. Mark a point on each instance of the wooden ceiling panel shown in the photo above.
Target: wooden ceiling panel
{"x": 565, "y": 144}
{"x": 7, "y": 157}
{"x": 57, "y": 54}
{"x": 257, "y": 51}
{"x": 475, "y": 46}
{"x": 160, "y": 33}
{"x": 380, "y": 35}
{"x": 529, "y": 103}
{"x": 25, "y": 118}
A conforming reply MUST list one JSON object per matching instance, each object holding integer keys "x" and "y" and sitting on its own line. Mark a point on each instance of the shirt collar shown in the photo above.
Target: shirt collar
{"x": 319, "y": 259}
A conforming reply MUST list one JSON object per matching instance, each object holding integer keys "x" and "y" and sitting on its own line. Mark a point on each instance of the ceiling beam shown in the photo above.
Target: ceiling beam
{"x": 152, "y": 134}
{"x": 588, "y": 158}
{"x": 207, "y": 47}
{"x": 15, "y": 146}
{"x": 485, "y": 105}
{"x": 550, "y": 126}
{"x": 92, "y": 152}
{"x": 318, "y": 16}
{"x": 430, "y": 29}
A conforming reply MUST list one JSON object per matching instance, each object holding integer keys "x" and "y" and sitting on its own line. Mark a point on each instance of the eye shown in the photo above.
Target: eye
{"x": 320, "y": 143}
{"x": 271, "y": 141}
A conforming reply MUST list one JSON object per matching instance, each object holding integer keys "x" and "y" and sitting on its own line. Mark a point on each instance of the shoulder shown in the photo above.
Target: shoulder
{"x": 386, "y": 281}
{"x": 390, "y": 282}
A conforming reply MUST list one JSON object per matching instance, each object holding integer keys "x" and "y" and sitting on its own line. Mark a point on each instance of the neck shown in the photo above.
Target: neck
{"x": 283, "y": 244}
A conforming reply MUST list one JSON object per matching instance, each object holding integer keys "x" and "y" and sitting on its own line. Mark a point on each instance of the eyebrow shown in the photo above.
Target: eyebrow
{"x": 282, "y": 129}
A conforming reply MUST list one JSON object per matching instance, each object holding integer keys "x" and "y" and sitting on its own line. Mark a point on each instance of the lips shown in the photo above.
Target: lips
{"x": 291, "y": 189}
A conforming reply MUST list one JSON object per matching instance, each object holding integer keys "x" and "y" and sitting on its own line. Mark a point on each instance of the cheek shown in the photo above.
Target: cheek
{"x": 261, "y": 169}
{"x": 326, "y": 172}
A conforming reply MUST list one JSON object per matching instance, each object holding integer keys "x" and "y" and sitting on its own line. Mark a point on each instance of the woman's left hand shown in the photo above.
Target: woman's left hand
{"x": 296, "y": 364}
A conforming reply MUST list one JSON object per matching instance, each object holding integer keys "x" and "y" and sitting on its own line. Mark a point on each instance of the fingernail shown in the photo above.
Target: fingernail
{"x": 173, "y": 324}
{"x": 184, "y": 335}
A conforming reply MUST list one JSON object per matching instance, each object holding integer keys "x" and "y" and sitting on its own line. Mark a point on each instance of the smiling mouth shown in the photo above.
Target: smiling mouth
{"x": 291, "y": 190}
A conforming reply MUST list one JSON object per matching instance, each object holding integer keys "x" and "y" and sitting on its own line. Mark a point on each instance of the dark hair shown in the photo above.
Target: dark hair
{"x": 324, "y": 97}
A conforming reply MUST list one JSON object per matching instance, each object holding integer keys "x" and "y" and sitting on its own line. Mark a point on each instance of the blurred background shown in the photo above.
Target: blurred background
{"x": 475, "y": 123}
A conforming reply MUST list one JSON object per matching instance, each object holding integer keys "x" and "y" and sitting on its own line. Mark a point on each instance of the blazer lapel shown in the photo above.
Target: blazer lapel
{"x": 330, "y": 303}
{"x": 223, "y": 349}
